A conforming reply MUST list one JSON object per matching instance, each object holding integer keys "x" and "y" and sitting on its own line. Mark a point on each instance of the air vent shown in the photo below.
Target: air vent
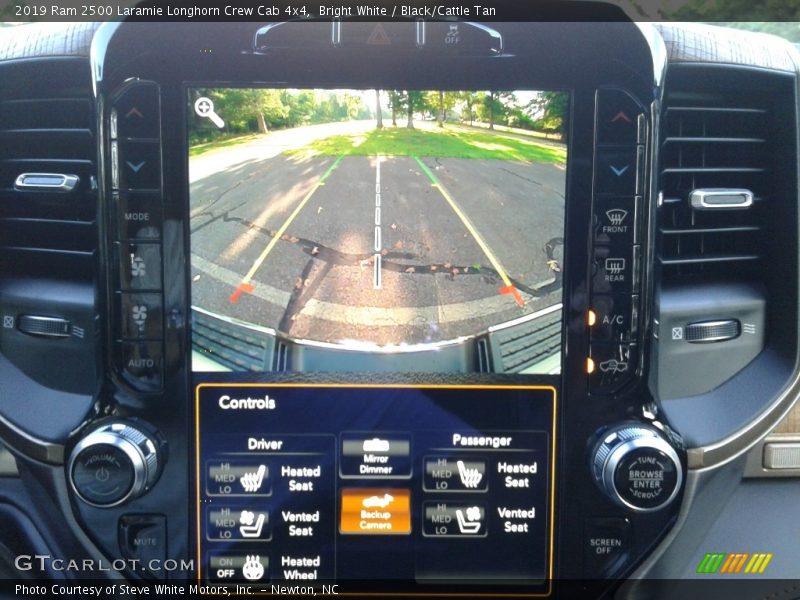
{"x": 726, "y": 224}
{"x": 715, "y": 141}
{"x": 232, "y": 345}
{"x": 47, "y": 126}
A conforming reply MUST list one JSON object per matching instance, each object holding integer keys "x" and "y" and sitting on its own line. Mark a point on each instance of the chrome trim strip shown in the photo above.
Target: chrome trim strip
{"x": 46, "y": 182}
{"x": 526, "y": 318}
{"x": 699, "y": 199}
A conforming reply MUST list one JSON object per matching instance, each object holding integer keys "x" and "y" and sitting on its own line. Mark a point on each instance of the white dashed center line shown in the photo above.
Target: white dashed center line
{"x": 377, "y": 277}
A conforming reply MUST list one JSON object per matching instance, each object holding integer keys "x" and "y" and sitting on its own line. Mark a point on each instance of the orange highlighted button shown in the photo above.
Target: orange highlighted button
{"x": 376, "y": 511}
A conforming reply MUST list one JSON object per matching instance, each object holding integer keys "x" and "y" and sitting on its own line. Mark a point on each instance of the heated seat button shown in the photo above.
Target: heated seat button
{"x": 139, "y": 216}
{"x": 136, "y": 113}
{"x": 619, "y": 118}
{"x": 606, "y": 546}
{"x": 144, "y": 538}
{"x": 613, "y": 318}
{"x": 142, "y": 365}
{"x": 140, "y": 266}
{"x": 610, "y": 366}
{"x": 615, "y": 220}
{"x": 615, "y": 269}
{"x": 619, "y": 170}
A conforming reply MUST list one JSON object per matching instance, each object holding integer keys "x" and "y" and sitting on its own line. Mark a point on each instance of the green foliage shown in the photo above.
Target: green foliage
{"x": 258, "y": 111}
{"x": 248, "y": 111}
{"x": 441, "y": 143}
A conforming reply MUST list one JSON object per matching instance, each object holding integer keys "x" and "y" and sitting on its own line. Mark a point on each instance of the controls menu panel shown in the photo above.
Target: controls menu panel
{"x": 371, "y": 487}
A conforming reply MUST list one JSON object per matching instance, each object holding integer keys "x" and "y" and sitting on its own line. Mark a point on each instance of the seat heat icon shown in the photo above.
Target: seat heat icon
{"x": 252, "y": 480}
{"x": 470, "y": 477}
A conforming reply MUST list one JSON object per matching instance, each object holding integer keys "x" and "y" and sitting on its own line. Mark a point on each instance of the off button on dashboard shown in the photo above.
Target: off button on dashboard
{"x": 103, "y": 474}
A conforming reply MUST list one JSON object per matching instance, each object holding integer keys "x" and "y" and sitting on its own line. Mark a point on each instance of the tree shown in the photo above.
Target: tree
{"x": 469, "y": 99}
{"x": 553, "y": 107}
{"x": 396, "y": 104}
{"x": 493, "y": 105}
{"x": 414, "y": 100}
{"x": 439, "y": 103}
{"x": 378, "y": 110}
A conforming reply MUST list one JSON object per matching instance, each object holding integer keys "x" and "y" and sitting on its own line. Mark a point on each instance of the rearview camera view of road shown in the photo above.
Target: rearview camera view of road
{"x": 377, "y": 230}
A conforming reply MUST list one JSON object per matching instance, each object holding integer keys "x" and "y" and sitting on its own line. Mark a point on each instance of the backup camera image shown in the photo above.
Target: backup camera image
{"x": 363, "y": 230}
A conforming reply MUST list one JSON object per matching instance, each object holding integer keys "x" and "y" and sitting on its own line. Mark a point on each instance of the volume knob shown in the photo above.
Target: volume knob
{"x": 113, "y": 464}
{"x": 637, "y": 468}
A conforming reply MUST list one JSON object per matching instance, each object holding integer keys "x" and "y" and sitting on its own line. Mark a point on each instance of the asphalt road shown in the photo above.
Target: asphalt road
{"x": 292, "y": 244}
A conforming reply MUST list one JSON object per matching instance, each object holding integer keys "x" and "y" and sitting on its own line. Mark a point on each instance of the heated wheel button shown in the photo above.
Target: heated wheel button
{"x": 103, "y": 474}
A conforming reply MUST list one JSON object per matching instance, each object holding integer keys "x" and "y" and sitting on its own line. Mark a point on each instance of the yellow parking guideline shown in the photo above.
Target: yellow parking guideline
{"x": 470, "y": 227}
{"x": 260, "y": 260}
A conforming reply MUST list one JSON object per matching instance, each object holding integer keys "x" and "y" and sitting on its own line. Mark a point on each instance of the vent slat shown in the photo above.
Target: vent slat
{"x": 715, "y": 140}
{"x": 711, "y": 230}
{"x": 47, "y": 126}
{"x": 689, "y": 170}
{"x": 716, "y": 109}
{"x": 709, "y": 259}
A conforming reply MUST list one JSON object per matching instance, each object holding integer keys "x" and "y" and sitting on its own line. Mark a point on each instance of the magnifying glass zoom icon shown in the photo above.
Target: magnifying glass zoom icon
{"x": 204, "y": 107}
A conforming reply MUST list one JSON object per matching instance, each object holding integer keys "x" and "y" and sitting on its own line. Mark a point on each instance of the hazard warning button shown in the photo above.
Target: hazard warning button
{"x": 394, "y": 36}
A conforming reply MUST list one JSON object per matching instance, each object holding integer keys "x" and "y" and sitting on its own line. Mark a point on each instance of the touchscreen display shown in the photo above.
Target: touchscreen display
{"x": 376, "y": 230}
{"x": 388, "y": 489}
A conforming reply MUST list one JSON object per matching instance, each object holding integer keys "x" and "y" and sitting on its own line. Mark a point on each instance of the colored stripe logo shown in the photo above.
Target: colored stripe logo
{"x": 734, "y": 563}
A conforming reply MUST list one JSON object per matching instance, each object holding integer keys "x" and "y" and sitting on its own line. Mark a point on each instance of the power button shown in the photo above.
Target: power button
{"x": 103, "y": 474}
